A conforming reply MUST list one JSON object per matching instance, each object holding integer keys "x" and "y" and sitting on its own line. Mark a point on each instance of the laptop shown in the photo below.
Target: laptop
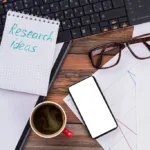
{"x": 82, "y": 18}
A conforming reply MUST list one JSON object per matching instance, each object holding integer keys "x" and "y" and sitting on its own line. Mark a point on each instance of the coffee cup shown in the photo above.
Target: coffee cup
{"x": 48, "y": 120}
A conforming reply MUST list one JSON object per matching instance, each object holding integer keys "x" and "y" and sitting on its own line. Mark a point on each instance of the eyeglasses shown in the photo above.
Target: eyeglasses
{"x": 97, "y": 54}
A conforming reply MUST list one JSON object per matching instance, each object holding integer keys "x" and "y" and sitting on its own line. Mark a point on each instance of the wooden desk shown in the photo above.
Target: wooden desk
{"x": 76, "y": 67}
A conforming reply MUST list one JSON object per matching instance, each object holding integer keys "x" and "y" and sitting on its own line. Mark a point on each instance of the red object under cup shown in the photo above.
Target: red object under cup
{"x": 67, "y": 132}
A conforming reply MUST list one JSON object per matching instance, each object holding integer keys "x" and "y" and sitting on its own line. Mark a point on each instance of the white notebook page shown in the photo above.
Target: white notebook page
{"x": 27, "y": 52}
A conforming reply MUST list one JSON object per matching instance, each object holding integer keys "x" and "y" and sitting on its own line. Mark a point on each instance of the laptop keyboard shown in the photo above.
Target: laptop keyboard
{"x": 138, "y": 11}
{"x": 79, "y": 18}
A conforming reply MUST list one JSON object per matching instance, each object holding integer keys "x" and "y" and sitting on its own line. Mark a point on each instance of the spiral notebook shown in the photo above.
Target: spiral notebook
{"x": 27, "y": 53}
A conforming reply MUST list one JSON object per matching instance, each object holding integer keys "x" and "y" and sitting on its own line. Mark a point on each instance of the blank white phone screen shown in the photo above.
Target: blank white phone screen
{"x": 92, "y": 107}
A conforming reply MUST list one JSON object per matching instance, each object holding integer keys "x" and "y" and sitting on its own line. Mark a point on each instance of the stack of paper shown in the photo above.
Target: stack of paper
{"x": 125, "y": 100}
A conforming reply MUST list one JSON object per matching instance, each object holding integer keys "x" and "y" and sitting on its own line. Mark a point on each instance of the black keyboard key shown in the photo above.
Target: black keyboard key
{"x": 38, "y": 2}
{"x": 36, "y": 11}
{"x": 28, "y": 3}
{"x": 84, "y": 2}
{"x": 48, "y": 1}
{"x": 54, "y": 7}
{"x": 3, "y": 18}
{"x": 10, "y": 1}
{"x": 88, "y": 9}
{"x": 59, "y": 15}
{"x": 76, "y": 33}
{"x": 95, "y": 28}
{"x": 107, "y": 5}
{"x": 66, "y": 24}
{"x": 105, "y": 29}
{"x": 50, "y": 16}
{"x": 64, "y": 36}
{"x": 123, "y": 19}
{"x": 98, "y": 7}
{"x": 2, "y": 11}
{"x": 74, "y": 3}
{"x": 18, "y": 5}
{"x": 115, "y": 26}
{"x": 114, "y": 13}
{"x": 76, "y": 22}
{"x": 60, "y": 28}
{"x": 64, "y": 4}
{"x": 78, "y": 11}
{"x": 1, "y": 29}
{"x": 0, "y": 21}
{"x": 85, "y": 30}
{"x": 26, "y": 11}
{"x": 124, "y": 24}
{"x": 85, "y": 20}
{"x": 118, "y": 3}
{"x": 93, "y": 1}
{"x": 45, "y": 9}
{"x": 95, "y": 18}
{"x": 69, "y": 14}
{"x": 8, "y": 6}
{"x": 113, "y": 21}
{"x": 103, "y": 24}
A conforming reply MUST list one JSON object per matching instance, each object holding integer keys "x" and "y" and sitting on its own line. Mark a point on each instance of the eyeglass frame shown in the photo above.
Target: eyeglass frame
{"x": 138, "y": 39}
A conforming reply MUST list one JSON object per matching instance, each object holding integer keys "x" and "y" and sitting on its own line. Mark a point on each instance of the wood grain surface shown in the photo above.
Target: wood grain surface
{"x": 76, "y": 67}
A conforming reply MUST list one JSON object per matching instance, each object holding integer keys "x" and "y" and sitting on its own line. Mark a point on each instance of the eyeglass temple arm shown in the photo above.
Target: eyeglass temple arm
{"x": 147, "y": 45}
{"x": 100, "y": 58}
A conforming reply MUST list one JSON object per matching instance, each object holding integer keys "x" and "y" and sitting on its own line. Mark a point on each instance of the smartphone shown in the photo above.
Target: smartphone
{"x": 93, "y": 108}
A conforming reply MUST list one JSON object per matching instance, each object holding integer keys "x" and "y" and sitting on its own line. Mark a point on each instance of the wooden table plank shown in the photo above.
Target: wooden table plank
{"x": 83, "y": 45}
{"x": 76, "y": 67}
{"x": 63, "y": 148}
{"x": 80, "y": 141}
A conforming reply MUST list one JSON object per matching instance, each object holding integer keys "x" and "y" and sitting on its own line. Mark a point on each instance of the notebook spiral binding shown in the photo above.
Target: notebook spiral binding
{"x": 32, "y": 17}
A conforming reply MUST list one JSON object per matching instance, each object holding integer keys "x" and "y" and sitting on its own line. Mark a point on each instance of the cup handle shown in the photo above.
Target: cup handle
{"x": 67, "y": 132}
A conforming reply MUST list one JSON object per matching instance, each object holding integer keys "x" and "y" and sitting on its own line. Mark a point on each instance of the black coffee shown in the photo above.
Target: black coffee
{"x": 48, "y": 119}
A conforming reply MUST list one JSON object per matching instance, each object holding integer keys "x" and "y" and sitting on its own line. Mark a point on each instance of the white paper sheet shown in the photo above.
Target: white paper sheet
{"x": 15, "y": 110}
{"x": 142, "y": 92}
{"x": 143, "y": 103}
{"x": 120, "y": 95}
{"x": 118, "y": 86}
{"x": 27, "y": 52}
{"x": 141, "y": 29}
